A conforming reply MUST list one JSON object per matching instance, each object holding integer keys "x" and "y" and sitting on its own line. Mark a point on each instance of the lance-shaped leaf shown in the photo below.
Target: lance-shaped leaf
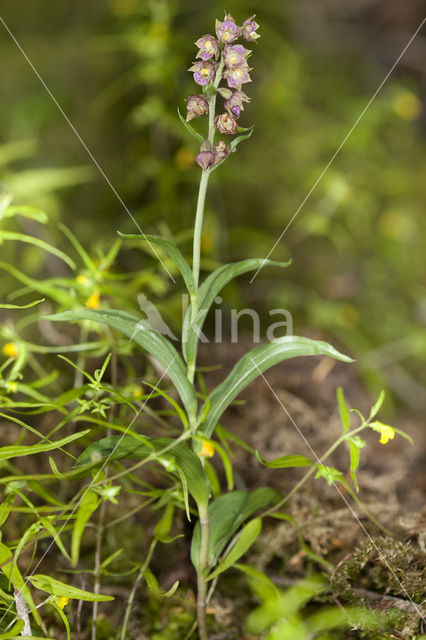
{"x": 208, "y": 291}
{"x": 178, "y": 457}
{"x": 21, "y": 306}
{"x": 19, "y": 450}
{"x": 256, "y": 362}
{"x": 189, "y": 128}
{"x": 21, "y": 237}
{"x": 88, "y": 504}
{"x": 151, "y": 341}
{"x": 172, "y": 251}
{"x": 247, "y": 537}
{"x": 226, "y": 514}
{"x": 63, "y": 590}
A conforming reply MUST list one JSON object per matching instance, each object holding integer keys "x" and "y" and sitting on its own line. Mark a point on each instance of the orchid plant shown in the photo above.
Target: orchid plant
{"x": 221, "y": 59}
{"x": 228, "y": 523}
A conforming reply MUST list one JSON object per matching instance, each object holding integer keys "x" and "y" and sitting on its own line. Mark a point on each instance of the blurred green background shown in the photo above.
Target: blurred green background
{"x": 118, "y": 69}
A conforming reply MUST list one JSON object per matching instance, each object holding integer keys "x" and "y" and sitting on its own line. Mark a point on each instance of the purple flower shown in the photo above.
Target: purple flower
{"x": 205, "y": 159}
{"x": 196, "y": 106}
{"x": 237, "y": 77}
{"x": 248, "y": 29}
{"x": 235, "y": 56}
{"x": 234, "y": 104}
{"x": 226, "y": 124}
{"x": 208, "y": 47}
{"x": 204, "y": 72}
{"x": 227, "y": 31}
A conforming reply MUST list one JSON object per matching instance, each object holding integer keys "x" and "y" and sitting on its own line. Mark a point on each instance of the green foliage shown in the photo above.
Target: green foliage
{"x": 281, "y": 615}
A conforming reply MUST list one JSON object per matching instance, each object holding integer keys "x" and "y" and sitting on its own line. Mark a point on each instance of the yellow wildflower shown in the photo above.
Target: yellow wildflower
{"x": 62, "y": 602}
{"x": 10, "y": 350}
{"x": 386, "y": 432}
{"x": 82, "y": 279}
{"x": 93, "y": 301}
{"x": 12, "y": 386}
{"x": 207, "y": 450}
{"x": 137, "y": 392}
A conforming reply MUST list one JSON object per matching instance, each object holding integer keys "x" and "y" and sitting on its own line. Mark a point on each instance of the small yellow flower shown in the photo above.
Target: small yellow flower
{"x": 93, "y": 301}
{"x": 207, "y": 450}
{"x": 386, "y": 432}
{"x": 10, "y": 350}
{"x": 12, "y": 386}
{"x": 137, "y": 392}
{"x": 81, "y": 279}
{"x": 62, "y": 602}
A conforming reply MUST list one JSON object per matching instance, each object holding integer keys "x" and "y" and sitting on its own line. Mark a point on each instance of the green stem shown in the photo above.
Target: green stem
{"x": 202, "y": 566}
{"x": 337, "y": 443}
{"x": 131, "y": 599}
{"x": 199, "y": 214}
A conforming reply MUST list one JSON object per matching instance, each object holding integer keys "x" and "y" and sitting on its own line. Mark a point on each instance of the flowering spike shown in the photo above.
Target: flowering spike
{"x": 196, "y": 106}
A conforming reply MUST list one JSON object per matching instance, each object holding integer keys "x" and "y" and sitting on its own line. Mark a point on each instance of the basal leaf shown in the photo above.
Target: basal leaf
{"x": 227, "y": 513}
{"x": 253, "y": 363}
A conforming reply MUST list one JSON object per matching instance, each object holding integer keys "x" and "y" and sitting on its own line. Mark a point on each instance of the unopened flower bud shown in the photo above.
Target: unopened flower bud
{"x": 248, "y": 29}
{"x": 197, "y": 106}
{"x": 234, "y": 104}
{"x": 235, "y": 56}
{"x": 205, "y": 159}
{"x": 204, "y": 72}
{"x": 225, "y": 92}
{"x": 222, "y": 151}
{"x": 226, "y": 124}
{"x": 205, "y": 146}
{"x": 227, "y": 31}
{"x": 208, "y": 47}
